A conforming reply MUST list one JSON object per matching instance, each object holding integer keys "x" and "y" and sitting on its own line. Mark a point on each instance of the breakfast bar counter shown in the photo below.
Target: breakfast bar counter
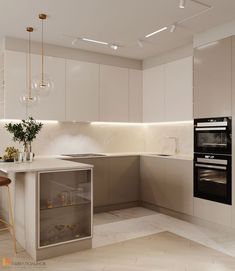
{"x": 52, "y": 203}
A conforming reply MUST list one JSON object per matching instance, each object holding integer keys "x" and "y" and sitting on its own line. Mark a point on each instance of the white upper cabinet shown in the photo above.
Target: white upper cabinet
{"x": 167, "y": 92}
{"x": 114, "y": 94}
{"x": 14, "y": 84}
{"x": 51, "y": 107}
{"x": 82, "y": 91}
{"x": 179, "y": 85}
{"x": 135, "y": 95}
{"x": 154, "y": 94}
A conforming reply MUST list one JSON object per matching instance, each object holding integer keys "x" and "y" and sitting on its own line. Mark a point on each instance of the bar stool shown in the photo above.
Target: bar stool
{"x": 4, "y": 182}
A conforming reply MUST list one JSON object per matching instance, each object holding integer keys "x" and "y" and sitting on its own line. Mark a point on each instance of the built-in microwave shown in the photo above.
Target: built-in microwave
{"x": 212, "y": 177}
{"x": 213, "y": 135}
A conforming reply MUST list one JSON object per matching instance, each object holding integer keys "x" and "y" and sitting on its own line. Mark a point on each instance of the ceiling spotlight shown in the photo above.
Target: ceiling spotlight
{"x": 182, "y": 3}
{"x": 114, "y": 46}
{"x": 172, "y": 28}
{"x": 140, "y": 43}
{"x": 74, "y": 41}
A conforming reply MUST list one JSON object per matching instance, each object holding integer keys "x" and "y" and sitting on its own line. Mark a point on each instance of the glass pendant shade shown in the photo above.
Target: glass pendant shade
{"x": 43, "y": 86}
{"x": 29, "y": 101}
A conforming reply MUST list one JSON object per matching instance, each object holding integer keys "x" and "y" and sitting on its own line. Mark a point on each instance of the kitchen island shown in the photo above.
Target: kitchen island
{"x": 53, "y": 206}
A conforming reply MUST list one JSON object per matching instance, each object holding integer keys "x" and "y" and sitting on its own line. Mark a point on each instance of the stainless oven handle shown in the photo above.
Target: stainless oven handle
{"x": 212, "y": 161}
{"x": 211, "y": 129}
{"x": 212, "y": 123}
{"x": 209, "y": 166}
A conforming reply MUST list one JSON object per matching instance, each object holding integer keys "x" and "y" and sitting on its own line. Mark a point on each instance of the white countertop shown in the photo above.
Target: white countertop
{"x": 120, "y": 154}
{"x": 41, "y": 164}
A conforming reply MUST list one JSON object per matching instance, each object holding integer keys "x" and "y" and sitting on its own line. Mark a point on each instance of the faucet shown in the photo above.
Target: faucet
{"x": 176, "y": 139}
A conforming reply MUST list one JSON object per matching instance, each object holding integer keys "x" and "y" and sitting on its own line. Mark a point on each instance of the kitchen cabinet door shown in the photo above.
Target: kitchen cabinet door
{"x": 124, "y": 179}
{"x": 52, "y": 106}
{"x": 14, "y": 84}
{"x": 82, "y": 91}
{"x": 113, "y": 94}
{"x": 179, "y": 185}
{"x": 212, "y": 79}
{"x": 154, "y": 94}
{"x": 101, "y": 183}
{"x": 179, "y": 90}
{"x": 153, "y": 180}
{"x": 135, "y": 95}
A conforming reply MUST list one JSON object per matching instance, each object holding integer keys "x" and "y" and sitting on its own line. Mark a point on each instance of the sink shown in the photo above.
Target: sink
{"x": 80, "y": 155}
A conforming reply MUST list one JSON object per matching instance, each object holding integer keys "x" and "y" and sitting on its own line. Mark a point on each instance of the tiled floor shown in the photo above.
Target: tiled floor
{"x": 140, "y": 239}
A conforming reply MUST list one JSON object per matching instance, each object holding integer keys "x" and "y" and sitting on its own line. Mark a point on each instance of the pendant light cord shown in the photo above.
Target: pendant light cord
{"x": 29, "y": 67}
{"x": 42, "y": 56}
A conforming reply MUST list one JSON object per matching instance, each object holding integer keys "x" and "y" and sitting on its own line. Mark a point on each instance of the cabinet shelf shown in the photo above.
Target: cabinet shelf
{"x": 45, "y": 208}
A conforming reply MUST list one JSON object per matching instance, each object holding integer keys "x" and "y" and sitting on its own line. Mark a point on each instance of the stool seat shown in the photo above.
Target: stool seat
{"x": 4, "y": 181}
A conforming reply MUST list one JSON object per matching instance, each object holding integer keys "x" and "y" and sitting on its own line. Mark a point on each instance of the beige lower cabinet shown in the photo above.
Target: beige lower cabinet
{"x": 124, "y": 179}
{"x": 167, "y": 183}
{"x": 153, "y": 184}
{"x": 179, "y": 185}
{"x": 115, "y": 179}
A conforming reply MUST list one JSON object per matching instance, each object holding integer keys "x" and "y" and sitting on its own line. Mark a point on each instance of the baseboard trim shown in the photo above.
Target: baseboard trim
{"x": 113, "y": 207}
{"x": 187, "y": 218}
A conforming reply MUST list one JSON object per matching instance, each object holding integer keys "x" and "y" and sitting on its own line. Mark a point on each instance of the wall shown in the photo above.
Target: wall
{"x": 157, "y": 138}
{"x": 213, "y": 34}
{"x": 169, "y": 56}
{"x": 20, "y": 45}
{"x": 58, "y": 138}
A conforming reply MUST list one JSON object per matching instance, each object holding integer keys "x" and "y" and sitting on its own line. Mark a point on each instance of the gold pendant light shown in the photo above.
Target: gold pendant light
{"x": 43, "y": 83}
{"x": 29, "y": 99}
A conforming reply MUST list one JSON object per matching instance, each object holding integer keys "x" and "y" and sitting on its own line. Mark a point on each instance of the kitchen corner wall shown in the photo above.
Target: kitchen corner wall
{"x": 59, "y": 138}
{"x": 158, "y": 138}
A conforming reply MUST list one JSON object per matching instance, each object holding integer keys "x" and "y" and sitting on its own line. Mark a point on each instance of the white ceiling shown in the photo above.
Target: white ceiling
{"x": 114, "y": 21}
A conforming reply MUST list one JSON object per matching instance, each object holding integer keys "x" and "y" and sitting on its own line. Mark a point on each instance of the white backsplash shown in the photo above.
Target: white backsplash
{"x": 157, "y": 138}
{"x": 59, "y": 138}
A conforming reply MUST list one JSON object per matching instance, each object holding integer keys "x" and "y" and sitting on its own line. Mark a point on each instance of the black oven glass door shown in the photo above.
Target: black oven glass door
{"x": 212, "y": 140}
{"x": 213, "y": 181}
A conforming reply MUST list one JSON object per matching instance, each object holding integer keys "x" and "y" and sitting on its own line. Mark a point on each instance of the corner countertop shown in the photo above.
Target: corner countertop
{"x": 41, "y": 164}
{"x": 121, "y": 154}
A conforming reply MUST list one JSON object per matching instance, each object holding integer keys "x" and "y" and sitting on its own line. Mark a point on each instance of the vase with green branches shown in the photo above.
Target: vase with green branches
{"x": 25, "y": 132}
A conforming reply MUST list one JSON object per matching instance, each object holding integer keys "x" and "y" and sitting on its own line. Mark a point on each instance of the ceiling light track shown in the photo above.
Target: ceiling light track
{"x": 171, "y": 27}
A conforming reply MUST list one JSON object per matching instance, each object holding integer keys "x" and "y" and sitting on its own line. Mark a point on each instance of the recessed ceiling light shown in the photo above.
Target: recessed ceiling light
{"x": 182, "y": 4}
{"x": 114, "y": 46}
{"x": 95, "y": 41}
{"x": 158, "y": 31}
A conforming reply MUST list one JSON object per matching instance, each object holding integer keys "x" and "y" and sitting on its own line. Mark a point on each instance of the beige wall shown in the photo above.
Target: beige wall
{"x": 172, "y": 55}
{"x": 14, "y": 44}
{"x": 215, "y": 33}
{"x": 58, "y": 138}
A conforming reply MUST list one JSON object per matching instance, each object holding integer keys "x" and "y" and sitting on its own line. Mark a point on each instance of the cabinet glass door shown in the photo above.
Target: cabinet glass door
{"x": 65, "y": 206}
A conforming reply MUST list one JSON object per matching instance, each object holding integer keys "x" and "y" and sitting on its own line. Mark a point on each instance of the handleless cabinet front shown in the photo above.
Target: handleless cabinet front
{"x": 101, "y": 184}
{"x": 212, "y": 79}
{"x": 124, "y": 179}
{"x": 153, "y": 180}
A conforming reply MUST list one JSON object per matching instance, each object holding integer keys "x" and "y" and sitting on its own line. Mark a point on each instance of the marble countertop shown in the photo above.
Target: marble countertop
{"x": 41, "y": 164}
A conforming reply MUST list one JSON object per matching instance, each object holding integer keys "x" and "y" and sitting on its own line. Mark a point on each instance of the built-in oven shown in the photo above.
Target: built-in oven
{"x": 212, "y": 135}
{"x": 212, "y": 177}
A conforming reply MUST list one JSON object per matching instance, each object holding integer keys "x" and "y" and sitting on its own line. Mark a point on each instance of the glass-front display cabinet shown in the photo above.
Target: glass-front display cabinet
{"x": 65, "y": 203}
